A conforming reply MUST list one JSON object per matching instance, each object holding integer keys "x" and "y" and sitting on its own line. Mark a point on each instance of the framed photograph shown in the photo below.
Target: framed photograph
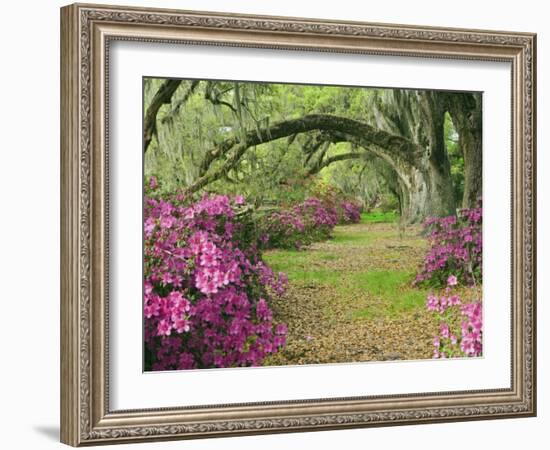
{"x": 275, "y": 224}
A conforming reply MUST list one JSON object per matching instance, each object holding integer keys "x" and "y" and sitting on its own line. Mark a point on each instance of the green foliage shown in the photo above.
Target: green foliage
{"x": 389, "y": 203}
{"x": 456, "y": 158}
{"x": 275, "y": 172}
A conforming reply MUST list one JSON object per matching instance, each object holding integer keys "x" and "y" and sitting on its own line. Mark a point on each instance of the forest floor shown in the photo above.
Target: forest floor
{"x": 350, "y": 298}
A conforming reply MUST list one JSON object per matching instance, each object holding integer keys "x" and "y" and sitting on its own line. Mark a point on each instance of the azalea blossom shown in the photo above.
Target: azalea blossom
{"x": 452, "y": 280}
{"x": 206, "y": 295}
{"x": 455, "y": 254}
{"x": 467, "y": 340}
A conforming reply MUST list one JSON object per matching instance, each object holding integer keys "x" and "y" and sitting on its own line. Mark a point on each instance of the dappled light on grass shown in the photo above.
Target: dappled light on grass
{"x": 392, "y": 292}
{"x": 359, "y": 286}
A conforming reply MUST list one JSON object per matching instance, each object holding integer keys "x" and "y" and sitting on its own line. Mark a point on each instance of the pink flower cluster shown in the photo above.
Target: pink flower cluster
{"x": 205, "y": 294}
{"x": 320, "y": 215}
{"x": 456, "y": 248}
{"x": 310, "y": 221}
{"x": 471, "y": 343}
{"x": 350, "y": 212}
{"x": 450, "y": 342}
{"x": 283, "y": 229}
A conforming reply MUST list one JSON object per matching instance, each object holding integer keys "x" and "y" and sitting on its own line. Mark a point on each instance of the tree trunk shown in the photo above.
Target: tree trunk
{"x": 162, "y": 97}
{"x": 466, "y": 115}
{"x": 473, "y": 170}
{"x": 441, "y": 195}
{"x": 419, "y": 116}
{"x": 419, "y": 196}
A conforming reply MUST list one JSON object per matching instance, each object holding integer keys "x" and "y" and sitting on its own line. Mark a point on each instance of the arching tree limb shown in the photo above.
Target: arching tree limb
{"x": 395, "y": 147}
{"x": 162, "y": 97}
{"x": 175, "y": 110}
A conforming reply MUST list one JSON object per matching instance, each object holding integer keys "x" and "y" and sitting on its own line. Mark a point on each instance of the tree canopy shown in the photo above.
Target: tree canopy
{"x": 416, "y": 151}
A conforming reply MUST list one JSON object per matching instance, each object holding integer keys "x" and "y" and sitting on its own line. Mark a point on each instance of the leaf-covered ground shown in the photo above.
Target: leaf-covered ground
{"x": 350, "y": 298}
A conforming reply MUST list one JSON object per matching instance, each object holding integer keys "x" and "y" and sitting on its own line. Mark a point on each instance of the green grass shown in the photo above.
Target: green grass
{"x": 340, "y": 236}
{"x": 378, "y": 217}
{"x": 381, "y": 282}
{"x": 369, "y": 294}
{"x": 389, "y": 292}
{"x": 391, "y": 289}
{"x": 343, "y": 236}
{"x": 303, "y": 266}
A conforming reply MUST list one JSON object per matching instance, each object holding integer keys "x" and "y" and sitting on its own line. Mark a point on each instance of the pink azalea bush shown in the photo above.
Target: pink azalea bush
{"x": 320, "y": 219}
{"x": 455, "y": 248}
{"x": 283, "y": 229}
{"x": 206, "y": 288}
{"x": 310, "y": 221}
{"x": 297, "y": 226}
{"x": 350, "y": 212}
{"x": 461, "y": 325}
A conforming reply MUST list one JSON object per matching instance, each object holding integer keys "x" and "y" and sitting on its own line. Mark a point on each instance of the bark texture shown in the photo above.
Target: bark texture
{"x": 426, "y": 188}
{"x": 162, "y": 97}
{"x": 466, "y": 115}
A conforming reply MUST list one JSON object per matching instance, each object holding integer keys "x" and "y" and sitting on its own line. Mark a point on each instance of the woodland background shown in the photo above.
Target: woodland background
{"x": 417, "y": 152}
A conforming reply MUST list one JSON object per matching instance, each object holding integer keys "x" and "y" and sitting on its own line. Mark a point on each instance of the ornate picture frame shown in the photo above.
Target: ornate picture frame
{"x": 87, "y": 31}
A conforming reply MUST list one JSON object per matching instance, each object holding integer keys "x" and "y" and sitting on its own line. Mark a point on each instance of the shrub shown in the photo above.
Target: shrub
{"x": 205, "y": 292}
{"x": 297, "y": 226}
{"x": 283, "y": 229}
{"x": 455, "y": 249}
{"x": 310, "y": 221}
{"x": 319, "y": 218}
{"x": 348, "y": 210}
{"x": 460, "y": 325}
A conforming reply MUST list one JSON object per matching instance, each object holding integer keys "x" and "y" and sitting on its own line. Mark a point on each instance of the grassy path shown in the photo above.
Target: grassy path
{"x": 350, "y": 298}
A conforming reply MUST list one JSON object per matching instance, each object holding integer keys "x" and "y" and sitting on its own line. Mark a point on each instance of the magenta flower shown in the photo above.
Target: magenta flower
{"x": 166, "y": 221}
{"x": 166, "y": 278}
{"x": 454, "y": 300}
{"x": 206, "y": 290}
{"x": 455, "y": 249}
{"x": 164, "y": 328}
{"x": 452, "y": 280}
{"x": 432, "y": 303}
{"x": 467, "y": 340}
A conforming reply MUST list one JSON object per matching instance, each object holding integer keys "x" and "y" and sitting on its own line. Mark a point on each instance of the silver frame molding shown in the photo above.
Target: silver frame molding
{"x": 86, "y": 31}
